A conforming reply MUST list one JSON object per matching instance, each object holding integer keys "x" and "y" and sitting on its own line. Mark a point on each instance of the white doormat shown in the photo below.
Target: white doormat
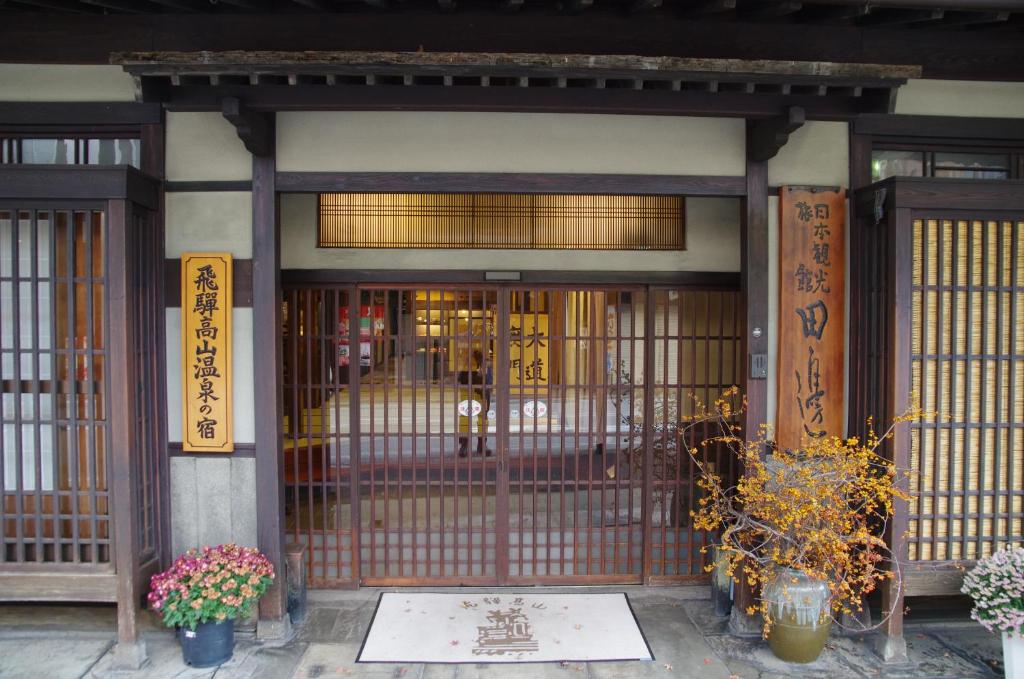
{"x": 503, "y": 628}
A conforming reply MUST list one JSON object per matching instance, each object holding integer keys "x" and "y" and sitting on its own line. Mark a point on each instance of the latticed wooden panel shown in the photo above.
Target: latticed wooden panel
{"x": 500, "y": 221}
{"x": 968, "y": 365}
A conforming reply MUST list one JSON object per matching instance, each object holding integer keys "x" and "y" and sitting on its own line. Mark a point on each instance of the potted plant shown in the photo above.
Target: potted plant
{"x": 803, "y": 525}
{"x": 203, "y": 592}
{"x": 996, "y": 584}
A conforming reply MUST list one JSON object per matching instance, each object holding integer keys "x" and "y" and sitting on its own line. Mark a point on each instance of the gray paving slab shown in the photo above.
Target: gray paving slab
{"x": 52, "y": 657}
{"x": 338, "y": 661}
{"x": 688, "y": 640}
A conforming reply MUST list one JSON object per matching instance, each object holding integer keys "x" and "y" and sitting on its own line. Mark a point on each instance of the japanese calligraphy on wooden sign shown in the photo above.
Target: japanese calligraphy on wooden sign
{"x": 811, "y": 289}
{"x": 528, "y": 350}
{"x": 206, "y": 352}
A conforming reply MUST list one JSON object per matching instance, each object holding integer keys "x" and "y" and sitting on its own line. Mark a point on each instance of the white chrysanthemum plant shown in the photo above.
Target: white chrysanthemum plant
{"x": 996, "y": 584}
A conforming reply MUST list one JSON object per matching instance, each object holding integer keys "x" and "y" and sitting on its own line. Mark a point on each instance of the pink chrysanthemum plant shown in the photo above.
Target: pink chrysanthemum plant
{"x": 996, "y": 583}
{"x": 213, "y": 584}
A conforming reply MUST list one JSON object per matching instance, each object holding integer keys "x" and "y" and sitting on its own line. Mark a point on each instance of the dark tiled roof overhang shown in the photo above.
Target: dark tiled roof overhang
{"x": 513, "y": 82}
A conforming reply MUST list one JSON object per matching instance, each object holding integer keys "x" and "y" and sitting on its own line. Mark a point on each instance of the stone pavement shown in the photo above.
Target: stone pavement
{"x": 688, "y": 640}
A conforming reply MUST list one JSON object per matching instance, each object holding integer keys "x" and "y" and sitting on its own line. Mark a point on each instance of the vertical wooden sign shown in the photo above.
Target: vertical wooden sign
{"x": 206, "y": 352}
{"x": 811, "y": 292}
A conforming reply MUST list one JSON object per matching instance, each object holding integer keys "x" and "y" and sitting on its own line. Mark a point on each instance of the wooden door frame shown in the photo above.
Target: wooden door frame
{"x": 268, "y": 184}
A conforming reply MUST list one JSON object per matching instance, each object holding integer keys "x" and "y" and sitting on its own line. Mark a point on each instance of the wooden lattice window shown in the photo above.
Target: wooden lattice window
{"x": 503, "y": 221}
{"x": 967, "y": 352}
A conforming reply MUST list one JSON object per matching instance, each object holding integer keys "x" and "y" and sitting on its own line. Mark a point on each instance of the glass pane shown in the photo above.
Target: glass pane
{"x": 5, "y": 243}
{"x": 113, "y": 152}
{"x": 43, "y": 244}
{"x": 48, "y": 151}
{"x": 886, "y": 164}
{"x": 6, "y": 315}
{"x": 987, "y": 161}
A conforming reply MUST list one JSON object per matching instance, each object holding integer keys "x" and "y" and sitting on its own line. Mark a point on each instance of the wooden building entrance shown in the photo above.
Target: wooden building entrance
{"x": 499, "y": 434}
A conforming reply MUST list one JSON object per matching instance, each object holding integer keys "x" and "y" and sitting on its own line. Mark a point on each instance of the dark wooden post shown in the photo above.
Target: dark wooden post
{"x": 130, "y": 652}
{"x": 267, "y": 379}
{"x": 899, "y": 243}
{"x": 754, "y": 285}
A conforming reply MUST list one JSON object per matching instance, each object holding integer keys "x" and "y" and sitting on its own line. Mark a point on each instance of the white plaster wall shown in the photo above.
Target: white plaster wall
{"x": 712, "y": 240}
{"x": 508, "y": 142}
{"x": 204, "y": 146}
{"x": 816, "y": 154}
{"x": 211, "y": 221}
{"x": 961, "y": 98}
{"x": 51, "y": 82}
{"x": 242, "y": 389}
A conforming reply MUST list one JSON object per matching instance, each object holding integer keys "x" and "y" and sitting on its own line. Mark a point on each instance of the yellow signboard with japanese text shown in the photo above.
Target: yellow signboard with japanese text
{"x": 206, "y": 352}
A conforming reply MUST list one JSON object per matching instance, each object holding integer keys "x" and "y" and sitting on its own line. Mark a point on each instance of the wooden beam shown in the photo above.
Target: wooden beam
{"x": 253, "y": 128}
{"x": 900, "y": 17}
{"x": 259, "y": 5}
{"x": 185, "y": 5}
{"x": 512, "y": 5}
{"x": 59, "y": 6}
{"x": 767, "y": 137}
{"x": 129, "y": 6}
{"x": 770, "y": 10}
{"x": 577, "y": 6}
{"x": 644, "y": 5}
{"x": 834, "y": 13}
{"x": 77, "y": 114}
{"x": 498, "y": 182}
{"x": 954, "y": 19}
{"x": 318, "y": 5}
{"x": 447, "y": 5}
{"x": 267, "y": 376}
{"x": 838, "y": 106}
{"x": 58, "y": 585}
{"x": 706, "y": 7}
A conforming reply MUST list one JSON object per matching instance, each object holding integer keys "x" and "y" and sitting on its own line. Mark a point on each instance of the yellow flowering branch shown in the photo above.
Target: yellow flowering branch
{"x": 821, "y": 509}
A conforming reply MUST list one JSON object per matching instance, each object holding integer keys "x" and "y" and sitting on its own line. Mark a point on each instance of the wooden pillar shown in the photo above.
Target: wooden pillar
{"x": 754, "y": 286}
{"x": 899, "y": 243}
{"x": 130, "y": 652}
{"x": 267, "y": 379}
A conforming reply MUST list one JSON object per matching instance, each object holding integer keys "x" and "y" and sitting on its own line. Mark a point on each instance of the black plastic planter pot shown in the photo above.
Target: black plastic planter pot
{"x": 209, "y": 645}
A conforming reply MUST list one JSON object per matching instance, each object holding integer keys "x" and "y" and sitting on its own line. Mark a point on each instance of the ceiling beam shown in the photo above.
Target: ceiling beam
{"x": 768, "y": 136}
{"x": 577, "y": 6}
{"x": 318, "y": 5}
{"x": 185, "y": 5}
{"x": 58, "y": 5}
{"x": 262, "y": 5}
{"x": 707, "y": 7}
{"x": 770, "y": 10}
{"x": 511, "y": 5}
{"x": 256, "y": 130}
{"x": 900, "y": 17}
{"x": 967, "y": 19}
{"x": 834, "y": 13}
{"x": 644, "y": 5}
{"x": 128, "y": 6}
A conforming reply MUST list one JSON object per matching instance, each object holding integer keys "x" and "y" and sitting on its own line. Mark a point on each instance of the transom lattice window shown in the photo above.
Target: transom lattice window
{"x": 948, "y": 162}
{"x": 504, "y": 221}
{"x": 70, "y": 151}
